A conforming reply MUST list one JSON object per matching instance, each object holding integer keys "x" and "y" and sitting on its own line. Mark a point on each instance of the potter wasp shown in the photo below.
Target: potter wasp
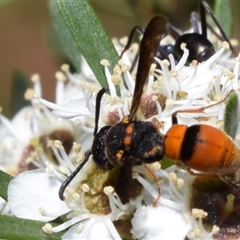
{"x": 129, "y": 142}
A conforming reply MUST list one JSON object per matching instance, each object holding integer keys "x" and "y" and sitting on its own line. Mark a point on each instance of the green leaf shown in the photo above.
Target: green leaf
{"x": 91, "y": 38}
{"x": 68, "y": 45}
{"x": 4, "y": 181}
{"x": 22, "y": 229}
{"x": 19, "y": 86}
{"x": 231, "y": 115}
{"x": 222, "y": 11}
{"x": 167, "y": 162}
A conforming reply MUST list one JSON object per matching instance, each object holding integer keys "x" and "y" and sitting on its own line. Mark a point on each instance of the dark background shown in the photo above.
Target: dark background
{"x": 26, "y": 43}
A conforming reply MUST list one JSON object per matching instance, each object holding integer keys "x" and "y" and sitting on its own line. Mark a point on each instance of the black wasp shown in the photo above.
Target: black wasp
{"x": 129, "y": 142}
{"x": 200, "y": 48}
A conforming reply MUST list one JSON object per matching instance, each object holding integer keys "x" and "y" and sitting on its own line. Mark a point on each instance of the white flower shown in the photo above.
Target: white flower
{"x": 147, "y": 223}
{"x": 40, "y": 201}
{"x": 92, "y": 207}
{"x": 32, "y": 205}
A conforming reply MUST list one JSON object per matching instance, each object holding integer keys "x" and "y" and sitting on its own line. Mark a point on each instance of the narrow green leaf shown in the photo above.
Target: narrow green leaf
{"x": 4, "y": 181}
{"x": 222, "y": 11}
{"x": 91, "y": 38}
{"x": 231, "y": 115}
{"x": 68, "y": 45}
{"x": 19, "y": 86}
{"x": 23, "y": 229}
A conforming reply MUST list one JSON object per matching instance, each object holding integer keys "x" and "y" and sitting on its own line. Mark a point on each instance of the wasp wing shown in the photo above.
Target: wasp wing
{"x": 148, "y": 48}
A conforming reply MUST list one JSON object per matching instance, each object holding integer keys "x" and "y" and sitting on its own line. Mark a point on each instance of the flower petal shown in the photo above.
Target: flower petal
{"x": 34, "y": 195}
{"x": 89, "y": 229}
{"x": 159, "y": 223}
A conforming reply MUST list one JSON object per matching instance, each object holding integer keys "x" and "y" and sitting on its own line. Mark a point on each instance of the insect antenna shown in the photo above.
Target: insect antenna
{"x": 209, "y": 10}
{"x": 203, "y": 20}
{"x": 79, "y": 167}
{"x": 71, "y": 177}
{"x": 97, "y": 111}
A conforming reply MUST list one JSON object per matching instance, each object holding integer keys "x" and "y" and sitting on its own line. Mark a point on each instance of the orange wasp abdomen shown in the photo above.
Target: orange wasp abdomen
{"x": 203, "y": 148}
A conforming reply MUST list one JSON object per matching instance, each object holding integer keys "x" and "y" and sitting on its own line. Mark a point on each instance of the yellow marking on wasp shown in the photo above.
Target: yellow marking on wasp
{"x": 119, "y": 155}
{"x": 126, "y": 120}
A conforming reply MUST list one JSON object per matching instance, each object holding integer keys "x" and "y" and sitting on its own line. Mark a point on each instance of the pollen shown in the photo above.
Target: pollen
{"x": 92, "y": 87}
{"x": 125, "y": 68}
{"x": 47, "y": 228}
{"x": 172, "y": 177}
{"x": 117, "y": 70}
{"x": 152, "y": 68}
{"x": 155, "y": 166}
{"x": 58, "y": 144}
{"x": 173, "y": 73}
{"x": 60, "y": 76}
{"x": 50, "y": 143}
{"x": 75, "y": 196}
{"x": 123, "y": 40}
{"x": 35, "y": 96}
{"x": 76, "y": 147}
{"x": 234, "y": 42}
{"x": 64, "y": 170}
{"x": 196, "y": 231}
{"x": 65, "y": 68}
{"x": 28, "y": 94}
{"x": 215, "y": 229}
{"x": 135, "y": 175}
{"x": 105, "y": 63}
{"x": 35, "y": 78}
{"x": 238, "y": 58}
{"x": 135, "y": 47}
{"x": 169, "y": 102}
{"x": 49, "y": 169}
{"x": 194, "y": 63}
{"x": 108, "y": 190}
{"x": 121, "y": 62}
{"x": 179, "y": 183}
{"x": 85, "y": 187}
{"x": 154, "y": 98}
{"x": 225, "y": 45}
{"x": 116, "y": 79}
{"x": 183, "y": 46}
{"x": 83, "y": 84}
{"x": 79, "y": 157}
{"x": 166, "y": 63}
{"x": 198, "y": 213}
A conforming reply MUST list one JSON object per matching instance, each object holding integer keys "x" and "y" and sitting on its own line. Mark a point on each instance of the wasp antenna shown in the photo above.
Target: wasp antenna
{"x": 98, "y": 104}
{"x": 203, "y": 19}
{"x": 130, "y": 38}
{"x": 71, "y": 176}
{"x": 209, "y": 10}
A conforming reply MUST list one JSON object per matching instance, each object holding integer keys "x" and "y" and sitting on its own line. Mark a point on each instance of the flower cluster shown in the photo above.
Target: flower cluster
{"x": 53, "y": 143}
